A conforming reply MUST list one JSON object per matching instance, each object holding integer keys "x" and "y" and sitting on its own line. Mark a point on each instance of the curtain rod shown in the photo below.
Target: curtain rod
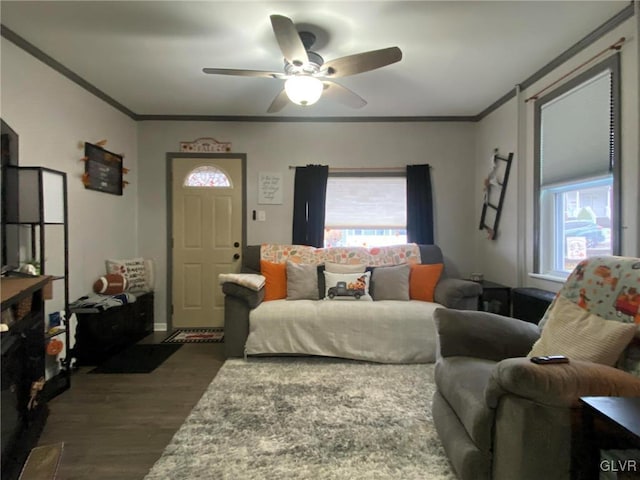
{"x": 356, "y": 169}
{"x": 615, "y": 46}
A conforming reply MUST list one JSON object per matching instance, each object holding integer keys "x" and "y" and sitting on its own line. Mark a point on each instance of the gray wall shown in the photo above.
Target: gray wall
{"x": 509, "y": 259}
{"x": 52, "y": 114}
{"x": 449, "y": 147}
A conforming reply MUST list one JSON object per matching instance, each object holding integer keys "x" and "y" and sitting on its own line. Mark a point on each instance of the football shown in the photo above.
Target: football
{"x": 110, "y": 284}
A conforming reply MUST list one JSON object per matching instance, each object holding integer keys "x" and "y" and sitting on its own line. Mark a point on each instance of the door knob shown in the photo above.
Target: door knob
{"x": 236, "y": 244}
{"x": 236, "y": 256}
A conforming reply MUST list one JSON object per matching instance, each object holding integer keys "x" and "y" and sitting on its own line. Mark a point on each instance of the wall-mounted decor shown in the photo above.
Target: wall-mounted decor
{"x": 102, "y": 170}
{"x": 205, "y": 145}
{"x": 270, "y": 188}
{"x": 495, "y": 187}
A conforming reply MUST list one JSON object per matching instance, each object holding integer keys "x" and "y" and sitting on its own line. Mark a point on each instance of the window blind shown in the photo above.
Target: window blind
{"x": 366, "y": 202}
{"x": 576, "y": 131}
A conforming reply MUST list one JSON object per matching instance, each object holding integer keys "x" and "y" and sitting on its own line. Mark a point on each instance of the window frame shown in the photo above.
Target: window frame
{"x": 611, "y": 64}
{"x": 207, "y": 168}
{"x": 368, "y": 174}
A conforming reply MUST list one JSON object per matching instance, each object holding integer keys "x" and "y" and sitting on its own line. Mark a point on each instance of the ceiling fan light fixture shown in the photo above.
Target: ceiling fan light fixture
{"x": 303, "y": 89}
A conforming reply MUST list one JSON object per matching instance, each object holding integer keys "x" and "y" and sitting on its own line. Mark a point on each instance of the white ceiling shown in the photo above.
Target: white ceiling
{"x": 458, "y": 56}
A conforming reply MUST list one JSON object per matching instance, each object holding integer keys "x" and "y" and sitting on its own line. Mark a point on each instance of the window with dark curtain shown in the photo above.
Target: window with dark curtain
{"x": 309, "y": 198}
{"x": 419, "y": 205}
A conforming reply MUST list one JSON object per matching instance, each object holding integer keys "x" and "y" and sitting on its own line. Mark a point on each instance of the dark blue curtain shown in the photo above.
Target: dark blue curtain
{"x": 419, "y": 205}
{"x": 309, "y": 198}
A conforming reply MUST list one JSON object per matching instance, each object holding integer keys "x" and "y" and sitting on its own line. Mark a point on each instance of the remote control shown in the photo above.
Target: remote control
{"x": 549, "y": 359}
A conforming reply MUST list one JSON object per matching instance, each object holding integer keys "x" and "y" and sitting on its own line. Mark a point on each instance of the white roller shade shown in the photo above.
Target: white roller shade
{"x": 366, "y": 202}
{"x": 575, "y": 133}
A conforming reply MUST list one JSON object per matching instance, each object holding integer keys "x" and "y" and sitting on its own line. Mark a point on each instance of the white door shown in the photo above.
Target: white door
{"x": 207, "y": 235}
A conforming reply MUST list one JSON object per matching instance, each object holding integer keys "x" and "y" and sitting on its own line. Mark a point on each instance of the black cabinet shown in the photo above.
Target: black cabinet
{"x": 495, "y": 298}
{"x": 23, "y": 407}
{"x": 100, "y": 335}
{"x": 530, "y": 304}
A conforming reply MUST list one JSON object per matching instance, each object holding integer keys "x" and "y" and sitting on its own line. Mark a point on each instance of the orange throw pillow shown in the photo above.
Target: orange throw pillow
{"x": 275, "y": 274}
{"x": 423, "y": 280}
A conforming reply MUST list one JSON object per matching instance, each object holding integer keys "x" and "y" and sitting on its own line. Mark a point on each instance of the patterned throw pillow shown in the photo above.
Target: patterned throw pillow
{"x": 347, "y": 286}
{"x": 609, "y": 287}
{"x": 134, "y": 270}
{"x": 572, "y": 331}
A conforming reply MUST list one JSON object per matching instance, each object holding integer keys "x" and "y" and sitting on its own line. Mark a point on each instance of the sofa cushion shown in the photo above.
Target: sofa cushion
{"x": 275, "y": 284}
{"x": 423, "y": 280}
{"x": 352, "y": 281}
{"x": 572, "y": 331}
{"x": 387, "y": 331}
{"x": 462, "y": 382}
{"x": 344, "y": 267}
{"x": 390, "y": 283}
{"x": 137, "y": 271}
{"x": 608, "y": 286}
{"x": 430, "y": 254}
{"x": 374, "y": 256}
{"x": 302, "y": 281}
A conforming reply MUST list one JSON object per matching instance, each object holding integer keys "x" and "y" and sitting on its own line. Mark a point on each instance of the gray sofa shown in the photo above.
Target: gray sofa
{"x": 241, "y": 303}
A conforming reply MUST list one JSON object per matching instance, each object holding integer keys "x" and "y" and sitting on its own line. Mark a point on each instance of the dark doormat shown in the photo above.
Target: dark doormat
{"x": 139, "y": 358}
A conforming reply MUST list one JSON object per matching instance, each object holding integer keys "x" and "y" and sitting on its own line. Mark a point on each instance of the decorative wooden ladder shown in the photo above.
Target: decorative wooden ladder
{"x": 493, "y": 181}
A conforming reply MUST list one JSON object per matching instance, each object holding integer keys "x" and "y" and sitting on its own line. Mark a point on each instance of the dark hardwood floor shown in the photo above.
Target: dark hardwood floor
{"x": 115, "y": 426}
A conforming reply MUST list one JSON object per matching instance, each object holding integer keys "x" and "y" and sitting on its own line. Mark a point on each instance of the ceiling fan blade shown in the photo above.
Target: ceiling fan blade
{"x": 289, "y": 40}
{"x": 243, "y": 73}
{"x": 362, "y": 62}
{"x": 279, "y": 102}
{"x": 343, "y": 95}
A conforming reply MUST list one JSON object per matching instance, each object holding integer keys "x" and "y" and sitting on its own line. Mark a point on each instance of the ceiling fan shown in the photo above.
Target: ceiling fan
{"x": 307, "y": 76}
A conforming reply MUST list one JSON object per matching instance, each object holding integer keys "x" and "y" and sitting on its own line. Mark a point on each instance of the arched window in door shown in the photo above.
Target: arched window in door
{"x": 207, "y": 176}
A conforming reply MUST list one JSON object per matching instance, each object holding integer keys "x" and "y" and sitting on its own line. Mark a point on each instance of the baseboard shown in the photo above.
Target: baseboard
{"x": 159, "y": 327}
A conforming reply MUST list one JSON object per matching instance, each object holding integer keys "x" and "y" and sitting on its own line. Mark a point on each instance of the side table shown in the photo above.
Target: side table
{"x": 606, "y": 423}
{"x": 495, "y": 298}
{"x": 530, "y": 304}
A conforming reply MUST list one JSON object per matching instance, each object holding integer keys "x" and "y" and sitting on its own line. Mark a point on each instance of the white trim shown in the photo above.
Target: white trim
{"x": 548, "y": 277}
{"x": 159, "y": 327}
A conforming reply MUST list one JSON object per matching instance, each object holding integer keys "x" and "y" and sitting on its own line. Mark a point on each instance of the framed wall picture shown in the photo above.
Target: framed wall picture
{"x": 269, "y": 188}
{"x": 102, "y": 170}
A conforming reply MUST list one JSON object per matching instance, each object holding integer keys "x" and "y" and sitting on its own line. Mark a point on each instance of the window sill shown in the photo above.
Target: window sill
{"x": 548, "y": 277}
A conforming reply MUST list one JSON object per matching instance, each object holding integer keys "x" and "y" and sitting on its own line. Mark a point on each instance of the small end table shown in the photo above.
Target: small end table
{"x": 605, "y": 423}
{"x": 495, "y": 298}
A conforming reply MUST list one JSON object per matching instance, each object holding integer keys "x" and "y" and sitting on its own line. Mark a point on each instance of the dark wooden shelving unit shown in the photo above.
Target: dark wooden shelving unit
{"x": 24, "y": 408}
{"x": 40, "y": 205}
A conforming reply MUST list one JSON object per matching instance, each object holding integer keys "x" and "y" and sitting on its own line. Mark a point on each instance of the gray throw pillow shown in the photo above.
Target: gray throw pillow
{"x": 302, "y": 281}
{"x": 390, "y": 283}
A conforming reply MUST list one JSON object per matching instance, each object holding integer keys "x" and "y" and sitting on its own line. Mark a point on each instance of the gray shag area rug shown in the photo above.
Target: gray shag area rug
{"x": 309, "y": 418}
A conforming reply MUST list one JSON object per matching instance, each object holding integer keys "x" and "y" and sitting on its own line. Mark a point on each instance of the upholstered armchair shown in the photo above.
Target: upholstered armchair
{"x": 501, "y": 416}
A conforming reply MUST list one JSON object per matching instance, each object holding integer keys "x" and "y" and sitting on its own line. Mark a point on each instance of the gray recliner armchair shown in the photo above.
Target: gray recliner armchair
{"x": 500, "y": 416}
